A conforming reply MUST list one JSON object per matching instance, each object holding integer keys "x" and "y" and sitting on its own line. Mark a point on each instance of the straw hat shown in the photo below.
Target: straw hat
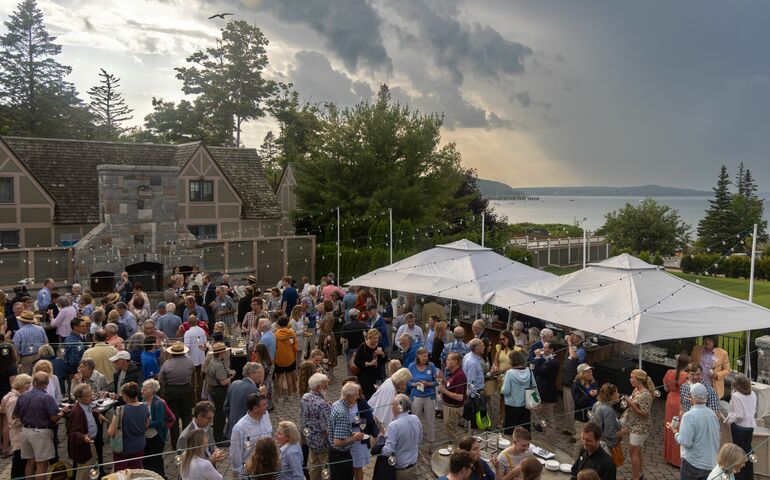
{"x": 219, "y": 347}
{"x": 27, "y": 317}
{"x": 113, "y": 297}
{"x": 251, "y": 279}
{"x": 178, "y": 348}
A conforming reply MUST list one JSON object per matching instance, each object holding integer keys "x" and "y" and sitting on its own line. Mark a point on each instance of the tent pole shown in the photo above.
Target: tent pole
{"x": 339, "y": 278}
{"x": 751, "y": 299}
{"x": 640, "y": 356}
{"x": 483, "y": 225}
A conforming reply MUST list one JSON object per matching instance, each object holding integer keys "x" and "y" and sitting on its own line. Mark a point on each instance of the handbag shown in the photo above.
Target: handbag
{"x": 616, "y": 453}
{"x": 354, "y": 370}
{"x": 531, "y": 394}
{"x": 116, "y": 442}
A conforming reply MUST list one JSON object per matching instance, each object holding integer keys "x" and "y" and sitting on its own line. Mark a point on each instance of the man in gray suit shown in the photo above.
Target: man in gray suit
{"x": 203, "y": 415}
{"x": 239, "y": 391}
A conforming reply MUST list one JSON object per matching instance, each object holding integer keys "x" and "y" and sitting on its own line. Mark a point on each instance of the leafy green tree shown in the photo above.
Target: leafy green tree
{"x": 649, "y": 227}
{"x": 38, "y": 99}
{"x": 176, "y": 123}
{"x": 228, "y": 80}
{"x": 381, "y": 155}
{"x": 717, "y": 223}
{"x": 299, "y": 124}
{"x": 108, "y": 107}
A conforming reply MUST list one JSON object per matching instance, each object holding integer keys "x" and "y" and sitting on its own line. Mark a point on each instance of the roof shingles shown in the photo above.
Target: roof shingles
{"x": 67, "y": 170}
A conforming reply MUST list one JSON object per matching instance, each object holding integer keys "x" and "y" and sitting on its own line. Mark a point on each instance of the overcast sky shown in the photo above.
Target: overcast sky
{"x": 534, "y": 93}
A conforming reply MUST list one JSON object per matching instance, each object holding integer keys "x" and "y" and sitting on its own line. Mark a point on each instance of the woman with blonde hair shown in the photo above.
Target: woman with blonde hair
{"x": 287, "y": 438}
{"x": 20, "y": 384}
{"x": 637, "y": 418}
{"x": 306, "y": 370}
{"x": 195, "y": 465}
{"x": 368, "y": 358}
{"x": 298, "y": 322}
{"x": 731, "y": 459}
{"x": 54, "y": 389}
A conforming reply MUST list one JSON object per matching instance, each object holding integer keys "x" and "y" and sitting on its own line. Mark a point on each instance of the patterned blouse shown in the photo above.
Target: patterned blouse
{"x": 637, "y": 424}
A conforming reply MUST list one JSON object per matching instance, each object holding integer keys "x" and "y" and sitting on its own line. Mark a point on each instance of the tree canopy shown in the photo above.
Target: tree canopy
{"x": 37, "y": 100}
{"x": 108, "y": 107}
{"x": 649, "y": 227}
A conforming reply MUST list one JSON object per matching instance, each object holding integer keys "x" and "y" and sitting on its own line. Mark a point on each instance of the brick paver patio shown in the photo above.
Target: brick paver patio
{"x": 655, "y": 467}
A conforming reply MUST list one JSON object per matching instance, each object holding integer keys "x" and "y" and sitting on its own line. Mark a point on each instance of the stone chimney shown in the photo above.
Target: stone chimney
{"x": 138, "y": 206}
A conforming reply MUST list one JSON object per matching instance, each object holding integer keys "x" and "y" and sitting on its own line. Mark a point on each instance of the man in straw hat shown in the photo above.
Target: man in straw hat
{"x": 218, "y": 379}
{"x": 28, "y": 339}
{"x": 176, "y": 379}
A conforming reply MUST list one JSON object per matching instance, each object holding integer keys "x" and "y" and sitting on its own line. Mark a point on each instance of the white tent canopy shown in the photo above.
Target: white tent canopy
{"x": 627, "y": 299}
{"x": 460, "y": 270}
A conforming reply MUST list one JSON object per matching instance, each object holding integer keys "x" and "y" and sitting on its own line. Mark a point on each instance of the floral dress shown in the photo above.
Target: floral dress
{"x": 635, "y": 423}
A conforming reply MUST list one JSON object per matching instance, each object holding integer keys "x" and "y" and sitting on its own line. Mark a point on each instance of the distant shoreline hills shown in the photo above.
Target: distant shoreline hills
{"x": 495, "y": 190}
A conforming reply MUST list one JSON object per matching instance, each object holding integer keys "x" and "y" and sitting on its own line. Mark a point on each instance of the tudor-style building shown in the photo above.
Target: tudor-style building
{"x": 49, "y": 192}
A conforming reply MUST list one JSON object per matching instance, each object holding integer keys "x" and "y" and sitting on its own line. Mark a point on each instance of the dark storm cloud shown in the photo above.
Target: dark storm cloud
{"x": 351, "y": 28}
{"x": 460, "y": 47}
{"x": 314, "y": 77}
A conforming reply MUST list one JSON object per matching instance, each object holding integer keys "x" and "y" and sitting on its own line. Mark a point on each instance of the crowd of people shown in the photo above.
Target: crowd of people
{"x": 156, "y": 382}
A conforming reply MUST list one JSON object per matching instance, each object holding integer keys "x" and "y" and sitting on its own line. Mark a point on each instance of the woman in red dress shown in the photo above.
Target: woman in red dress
{"x": 673, "y": 379}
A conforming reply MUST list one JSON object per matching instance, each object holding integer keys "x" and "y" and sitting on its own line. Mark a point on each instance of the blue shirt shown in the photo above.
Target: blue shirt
{"x": 379, "y": 324}
{"x": 43, "y": 298}
{"x": 290, "y": 297}
{"x": 454, "y": 346}
{"x": 429, "y": 340}
{"x": 149, "y": 365}
{"x": 90, "y": 421}
{"x": 129, "y": 321}
{"x": 29, "y": 338}
{"x": 268, "y": 340}
{"x": 348, "y": 301}
{"x": 411, "y": 354}
{"x": 474, "y": 372}
{"x": 200, "y": 312}
{"x": 403, "y": 439}
{"x": 291, "y": 462}
{"x": 169, "y": 323}
{"x": 698, "y": 436}
{"x": 427, "y": 375}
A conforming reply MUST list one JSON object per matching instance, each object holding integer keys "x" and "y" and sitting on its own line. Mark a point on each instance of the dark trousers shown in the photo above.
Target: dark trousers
{"x": 340, "y": 465}
{"x": 688, "y": 472}
{"x": 742, "y": 437}
{"x": 515, "y": 416}
{"x": 181, "y": 400}
{"x": 218, "y": 396}
{"x": 154, "y": 463}
{"x": 18, "y": 465}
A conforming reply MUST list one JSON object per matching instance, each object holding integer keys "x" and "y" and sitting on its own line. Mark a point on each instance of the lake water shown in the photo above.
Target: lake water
{"x": 562, "y": 209}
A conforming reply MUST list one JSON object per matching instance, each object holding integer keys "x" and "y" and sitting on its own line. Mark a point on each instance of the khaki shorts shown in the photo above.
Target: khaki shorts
{"x": 37, "y": 444}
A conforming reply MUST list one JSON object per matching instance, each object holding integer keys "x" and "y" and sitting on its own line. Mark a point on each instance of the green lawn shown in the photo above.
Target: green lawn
{"x": 735, "y": 287}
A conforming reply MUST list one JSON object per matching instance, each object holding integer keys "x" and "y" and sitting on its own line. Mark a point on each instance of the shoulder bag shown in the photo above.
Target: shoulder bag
{"x": 531, "y": 394}
{"x": 116, "y": 442}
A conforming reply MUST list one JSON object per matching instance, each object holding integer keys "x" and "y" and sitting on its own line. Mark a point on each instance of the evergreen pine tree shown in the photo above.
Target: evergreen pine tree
{"x": 716, "y": 224}
{"x": 749, "y": 186}
{"x": 32, "y": 85}
{"x": 108, "y": 107}
{"x": 739, "y": 179}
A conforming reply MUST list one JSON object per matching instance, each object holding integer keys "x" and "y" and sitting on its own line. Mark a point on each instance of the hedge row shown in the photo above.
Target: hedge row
{"x": 735, "y": 266}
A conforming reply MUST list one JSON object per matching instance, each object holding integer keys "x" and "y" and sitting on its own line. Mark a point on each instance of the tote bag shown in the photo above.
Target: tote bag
{"x": 531, "y": 394}
{"x": 116, "y": 442}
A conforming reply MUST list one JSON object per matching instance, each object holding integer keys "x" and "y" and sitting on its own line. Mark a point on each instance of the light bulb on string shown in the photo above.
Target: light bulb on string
{"x": 656, "y": 393}
{"x": 761, "y": 352}
{"x": 247, "y": 444}
{"x": 544, "y": 423}
{"x": 753, "y": 457}
{"x": 590, "y": 415}
{"x": 306, "y": 432}
{"x": 623, "y": 403}
{"x": 325, "y": 474}
{"x": 739, "y": 362}
{"x": 178, "y": 457}
{"x": 595, "y": 339}
{"x": 357, "y": 419}
{"x": 392, "y": 460}
{"x": 94, "y": 473}
{"x": 724, "y": 476}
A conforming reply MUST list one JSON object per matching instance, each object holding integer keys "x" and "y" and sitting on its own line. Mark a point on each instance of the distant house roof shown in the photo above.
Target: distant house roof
{"x": 67, "y": 170}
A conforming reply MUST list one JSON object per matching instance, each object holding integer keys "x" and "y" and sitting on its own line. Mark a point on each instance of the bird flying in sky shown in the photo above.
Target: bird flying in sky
{"x": 220, "y": 15}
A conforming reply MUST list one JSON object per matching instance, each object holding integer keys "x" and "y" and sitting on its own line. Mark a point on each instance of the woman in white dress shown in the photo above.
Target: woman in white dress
{"x": 195, "y": 465}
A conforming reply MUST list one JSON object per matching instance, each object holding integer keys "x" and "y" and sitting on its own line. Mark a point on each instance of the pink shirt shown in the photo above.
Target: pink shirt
{"x": 62, "y": 320}
{"x": 327, "y": 291}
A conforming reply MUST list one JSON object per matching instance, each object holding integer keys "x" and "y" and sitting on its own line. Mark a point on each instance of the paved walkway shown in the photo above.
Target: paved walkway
{"x": 655, "y": 467}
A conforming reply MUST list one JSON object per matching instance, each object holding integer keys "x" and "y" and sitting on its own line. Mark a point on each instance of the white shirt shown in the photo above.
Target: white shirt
{"x": 381, "y": 402}
{"x": 416, "y": 333}
{"x": 201, "y": 469}
{"x": 743, "y": 409}
{"x": 194, "y": 337}
{"x": 247, "y": 429}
